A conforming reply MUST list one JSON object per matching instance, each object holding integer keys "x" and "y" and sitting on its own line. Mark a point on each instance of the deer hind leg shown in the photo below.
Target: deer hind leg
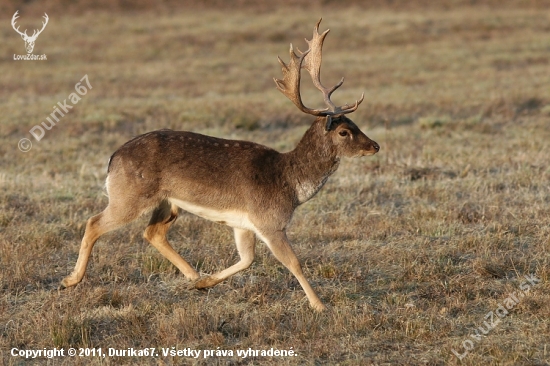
{"x": 246, "y": 242}
{"x": 163, "y": 216}
{"x": 280, "y": 247}
{"x": 113, "y": 217}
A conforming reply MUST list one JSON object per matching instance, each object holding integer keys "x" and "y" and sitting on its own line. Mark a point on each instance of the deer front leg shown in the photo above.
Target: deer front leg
{"x": 280, "y": 247}
{"x": 246, "y": 242}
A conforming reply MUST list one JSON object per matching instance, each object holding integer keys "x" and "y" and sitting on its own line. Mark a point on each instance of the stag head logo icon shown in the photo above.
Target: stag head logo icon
{"x": 29, "y": 40}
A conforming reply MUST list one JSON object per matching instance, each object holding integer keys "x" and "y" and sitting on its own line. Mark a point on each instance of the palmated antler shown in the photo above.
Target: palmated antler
{"x": 311, "y": 61}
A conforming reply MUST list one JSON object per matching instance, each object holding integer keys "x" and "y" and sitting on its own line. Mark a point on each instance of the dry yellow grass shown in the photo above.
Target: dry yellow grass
{"x": 411, "y": 248}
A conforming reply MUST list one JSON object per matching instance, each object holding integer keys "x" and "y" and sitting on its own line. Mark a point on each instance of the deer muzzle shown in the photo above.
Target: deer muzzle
{"x": 372, "y": 148}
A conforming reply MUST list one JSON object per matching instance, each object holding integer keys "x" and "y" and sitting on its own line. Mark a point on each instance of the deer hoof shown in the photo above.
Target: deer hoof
{"x": 206, "y": 282}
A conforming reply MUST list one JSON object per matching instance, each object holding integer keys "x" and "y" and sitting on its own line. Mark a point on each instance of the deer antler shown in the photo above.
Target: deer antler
{"x": 311, "y": 61}
{"x": 24, "y": 34}
{"x": 13, "y": 20}
{"x": 43, "y": 26}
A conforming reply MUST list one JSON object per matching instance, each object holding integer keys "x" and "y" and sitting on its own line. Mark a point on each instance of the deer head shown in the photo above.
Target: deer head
{"x": 29, "y": 40}
{"x": 311, "y": 61}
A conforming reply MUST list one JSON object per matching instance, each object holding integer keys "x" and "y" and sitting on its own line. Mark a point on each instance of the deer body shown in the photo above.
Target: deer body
{"x": 247, "y": 186}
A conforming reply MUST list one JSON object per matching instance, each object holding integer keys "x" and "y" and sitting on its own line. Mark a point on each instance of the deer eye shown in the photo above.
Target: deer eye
{"x": 343, "y": 133}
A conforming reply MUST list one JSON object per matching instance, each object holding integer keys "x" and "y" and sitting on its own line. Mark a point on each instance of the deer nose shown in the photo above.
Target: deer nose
{"x": 376, "y": 146}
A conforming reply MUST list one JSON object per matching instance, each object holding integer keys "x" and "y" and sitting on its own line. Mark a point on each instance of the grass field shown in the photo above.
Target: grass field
{"x": 412, "y": 249}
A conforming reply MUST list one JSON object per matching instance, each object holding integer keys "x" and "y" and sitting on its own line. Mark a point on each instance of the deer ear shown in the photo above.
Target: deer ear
{"x": 328, "y": 124}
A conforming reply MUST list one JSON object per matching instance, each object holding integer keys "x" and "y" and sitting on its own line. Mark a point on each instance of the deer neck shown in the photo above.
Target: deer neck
{"x": 311, "y": 163}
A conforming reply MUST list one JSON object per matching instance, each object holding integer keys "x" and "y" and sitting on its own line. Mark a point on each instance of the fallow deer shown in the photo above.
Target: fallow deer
{"x": 249, "y": 187}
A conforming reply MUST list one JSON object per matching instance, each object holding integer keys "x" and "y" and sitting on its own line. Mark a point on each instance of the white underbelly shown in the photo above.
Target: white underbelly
{"x": 231, "y": 218}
